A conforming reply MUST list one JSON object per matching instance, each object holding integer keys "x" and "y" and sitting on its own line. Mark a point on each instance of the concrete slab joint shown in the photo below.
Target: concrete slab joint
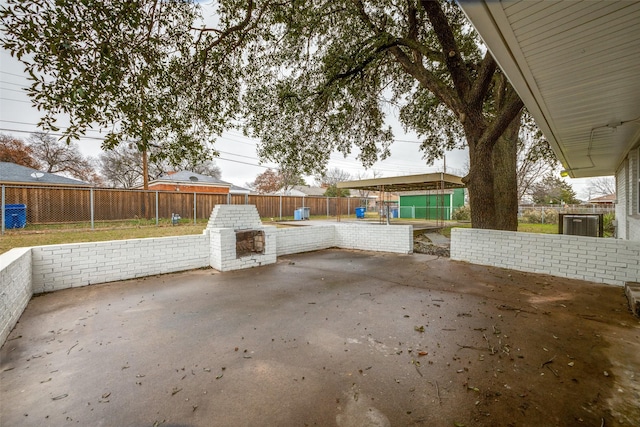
{"x": 632, "y": 290}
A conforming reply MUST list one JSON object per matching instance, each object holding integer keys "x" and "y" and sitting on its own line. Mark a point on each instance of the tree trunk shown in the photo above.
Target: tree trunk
{"x": 479, "y": 182}
{"x": 505, "y": 181}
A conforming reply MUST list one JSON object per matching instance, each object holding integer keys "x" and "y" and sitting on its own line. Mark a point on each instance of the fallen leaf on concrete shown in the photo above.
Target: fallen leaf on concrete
{"x": 62, "y": 396}
{"x": 423, "y": 353}
{"x": 219, "y": 376}
{"x": 419, "y": 328}
{"x": 104, "y": 396}
{"x": 176, "y": 391}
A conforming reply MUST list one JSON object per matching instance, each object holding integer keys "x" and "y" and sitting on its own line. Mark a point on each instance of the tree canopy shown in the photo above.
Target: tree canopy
{"x": 14, "y": 150}
{"x": 553, "y": 190}
{"x": 315, "y": 77}
{"x": 145, "y": 70}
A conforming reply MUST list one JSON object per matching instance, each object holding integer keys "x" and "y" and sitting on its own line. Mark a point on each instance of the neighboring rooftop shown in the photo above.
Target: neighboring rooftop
{"x": 188, "y": 177}
{"x": 609, "y": 198}
{"x": 10, "y": 173}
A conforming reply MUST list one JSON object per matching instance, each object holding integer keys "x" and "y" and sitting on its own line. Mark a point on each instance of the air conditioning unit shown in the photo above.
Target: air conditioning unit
{"x": 581, "y": 224}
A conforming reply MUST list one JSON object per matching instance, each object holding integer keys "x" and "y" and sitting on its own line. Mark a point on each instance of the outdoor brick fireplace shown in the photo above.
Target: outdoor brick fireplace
{"x": 238, "y": 238}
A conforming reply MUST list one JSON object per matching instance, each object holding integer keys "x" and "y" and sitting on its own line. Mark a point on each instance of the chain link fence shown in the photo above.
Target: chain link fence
{"x": 33, "y": 207}
{"x": 549, "y": 214}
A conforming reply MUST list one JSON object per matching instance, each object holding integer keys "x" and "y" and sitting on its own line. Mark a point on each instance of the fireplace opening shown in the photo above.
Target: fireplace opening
{"x": 249, "y": 242}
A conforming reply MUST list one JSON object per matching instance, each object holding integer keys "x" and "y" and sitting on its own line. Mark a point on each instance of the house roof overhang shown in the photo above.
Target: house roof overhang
{"x": 429, "y": 181}
{"x": 575, "y": 66}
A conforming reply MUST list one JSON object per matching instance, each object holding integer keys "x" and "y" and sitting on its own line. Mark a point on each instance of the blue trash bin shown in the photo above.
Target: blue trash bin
{"x": 360, "y": 212}
{"x": 393, "y": 213}
{"x": 297, "y": 214}
{"x": 15, "y": 216}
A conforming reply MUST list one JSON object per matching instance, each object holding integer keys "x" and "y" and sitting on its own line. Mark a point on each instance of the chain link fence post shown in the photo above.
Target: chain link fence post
{"x": 92, "y": 208}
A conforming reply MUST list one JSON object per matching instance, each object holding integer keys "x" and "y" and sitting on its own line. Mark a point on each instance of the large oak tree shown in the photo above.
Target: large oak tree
{"x": 318, "y": 76}
{"x": 326, "y": 73}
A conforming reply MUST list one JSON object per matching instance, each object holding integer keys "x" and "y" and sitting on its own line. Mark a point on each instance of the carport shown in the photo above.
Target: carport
{"x": 438, "y": 182}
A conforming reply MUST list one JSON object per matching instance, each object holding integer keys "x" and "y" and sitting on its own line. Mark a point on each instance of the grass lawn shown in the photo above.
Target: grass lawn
{"x": 16, "y": 239}
{"x": 76, "y": 233}
{"x": 522, "y": 227}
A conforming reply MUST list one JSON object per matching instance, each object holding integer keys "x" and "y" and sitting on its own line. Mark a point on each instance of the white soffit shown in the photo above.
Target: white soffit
{"x": 576, "y": 66}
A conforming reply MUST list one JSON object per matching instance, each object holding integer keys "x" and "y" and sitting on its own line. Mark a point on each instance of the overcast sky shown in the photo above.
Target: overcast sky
{"x": 238, "y": 160}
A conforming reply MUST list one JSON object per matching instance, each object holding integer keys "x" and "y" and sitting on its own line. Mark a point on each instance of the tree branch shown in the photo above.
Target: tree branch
{"x": 483, "y": 80}
{"x": 513, "y": 105}
{"x": 428, "y": 80}
{"x": 450, "y": 50}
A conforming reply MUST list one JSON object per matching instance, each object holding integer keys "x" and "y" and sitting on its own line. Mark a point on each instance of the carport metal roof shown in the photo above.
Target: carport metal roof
{"x": 429, "y": 181}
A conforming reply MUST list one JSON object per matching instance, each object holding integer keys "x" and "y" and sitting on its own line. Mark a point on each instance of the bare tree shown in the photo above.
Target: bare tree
{"x": 122, "y": 166}
{"x": 58, "y": 157}
{"x": 602, "y": 186}
{"x": 364, "y": 194}
{"x": 332, "y": 177}
{"x": 535, "y": 159}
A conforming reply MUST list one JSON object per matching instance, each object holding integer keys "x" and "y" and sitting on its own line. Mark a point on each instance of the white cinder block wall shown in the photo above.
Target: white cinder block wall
{"x": 28, "y": 271}
{"x": 305, "y": 239}
{"x": 380, "y": 238}
{"x": 79, "y": 264}
{"x": 611, "y": 261}
{"x": 15, "y": 288}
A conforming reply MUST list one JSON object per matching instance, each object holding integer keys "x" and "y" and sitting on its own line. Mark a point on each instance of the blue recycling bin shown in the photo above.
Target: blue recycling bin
{"x": 393, "y": 213}
{"x": 298, "y": 214}
{"x": 15, "y": 216}
{"x": 360, "y": 212}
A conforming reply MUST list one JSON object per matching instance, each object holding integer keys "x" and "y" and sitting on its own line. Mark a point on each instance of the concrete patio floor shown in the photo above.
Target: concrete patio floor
{"x": 336, "y": 337}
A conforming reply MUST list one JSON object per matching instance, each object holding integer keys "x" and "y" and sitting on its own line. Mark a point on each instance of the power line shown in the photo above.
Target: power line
{"x": 13, "y": 74}
{"x": 13, "y": 84}
{"x": 12, "y": 90}
{"x": 15, "y": 100}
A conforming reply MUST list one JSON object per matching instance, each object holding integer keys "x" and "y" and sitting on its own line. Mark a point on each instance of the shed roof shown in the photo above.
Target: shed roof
{"x": 18, "y": 174}
{"x": 428, "y": 181}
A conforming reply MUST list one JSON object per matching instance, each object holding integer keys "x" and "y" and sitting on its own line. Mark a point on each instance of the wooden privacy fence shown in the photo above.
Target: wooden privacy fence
{"x": 50, "y": 205}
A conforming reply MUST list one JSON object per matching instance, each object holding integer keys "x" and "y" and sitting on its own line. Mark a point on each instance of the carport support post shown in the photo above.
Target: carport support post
{"x": 281, "y": 207}
{"x": 91, "y": 203}
{"x": 328, "y": 207}
{"x": 2, "y": 206}
{"x": 156, "y": 208}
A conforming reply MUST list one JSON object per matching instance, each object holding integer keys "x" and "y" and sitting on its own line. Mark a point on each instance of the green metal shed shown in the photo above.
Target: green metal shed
{"x": 438, "y": 204}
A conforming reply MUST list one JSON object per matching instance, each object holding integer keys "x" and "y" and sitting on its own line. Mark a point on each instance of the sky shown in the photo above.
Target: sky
{"x": 238, "y": 159}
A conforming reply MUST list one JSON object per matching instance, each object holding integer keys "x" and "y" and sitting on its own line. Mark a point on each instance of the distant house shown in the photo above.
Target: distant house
{"x": 609, "y": 199}
{"x": 190, "y": 182}
{"x": 302, "y": 191}
{"x": 12, "y": 174}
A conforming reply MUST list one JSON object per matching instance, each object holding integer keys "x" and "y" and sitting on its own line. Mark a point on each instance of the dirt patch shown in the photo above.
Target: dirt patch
{"x": 334, "y": 337}
{"x": 422, "y": 244}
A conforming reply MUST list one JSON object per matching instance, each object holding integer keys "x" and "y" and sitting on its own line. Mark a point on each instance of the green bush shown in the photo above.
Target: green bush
{"x": 608, "y": 228}
{"x": 463, "y": 213}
